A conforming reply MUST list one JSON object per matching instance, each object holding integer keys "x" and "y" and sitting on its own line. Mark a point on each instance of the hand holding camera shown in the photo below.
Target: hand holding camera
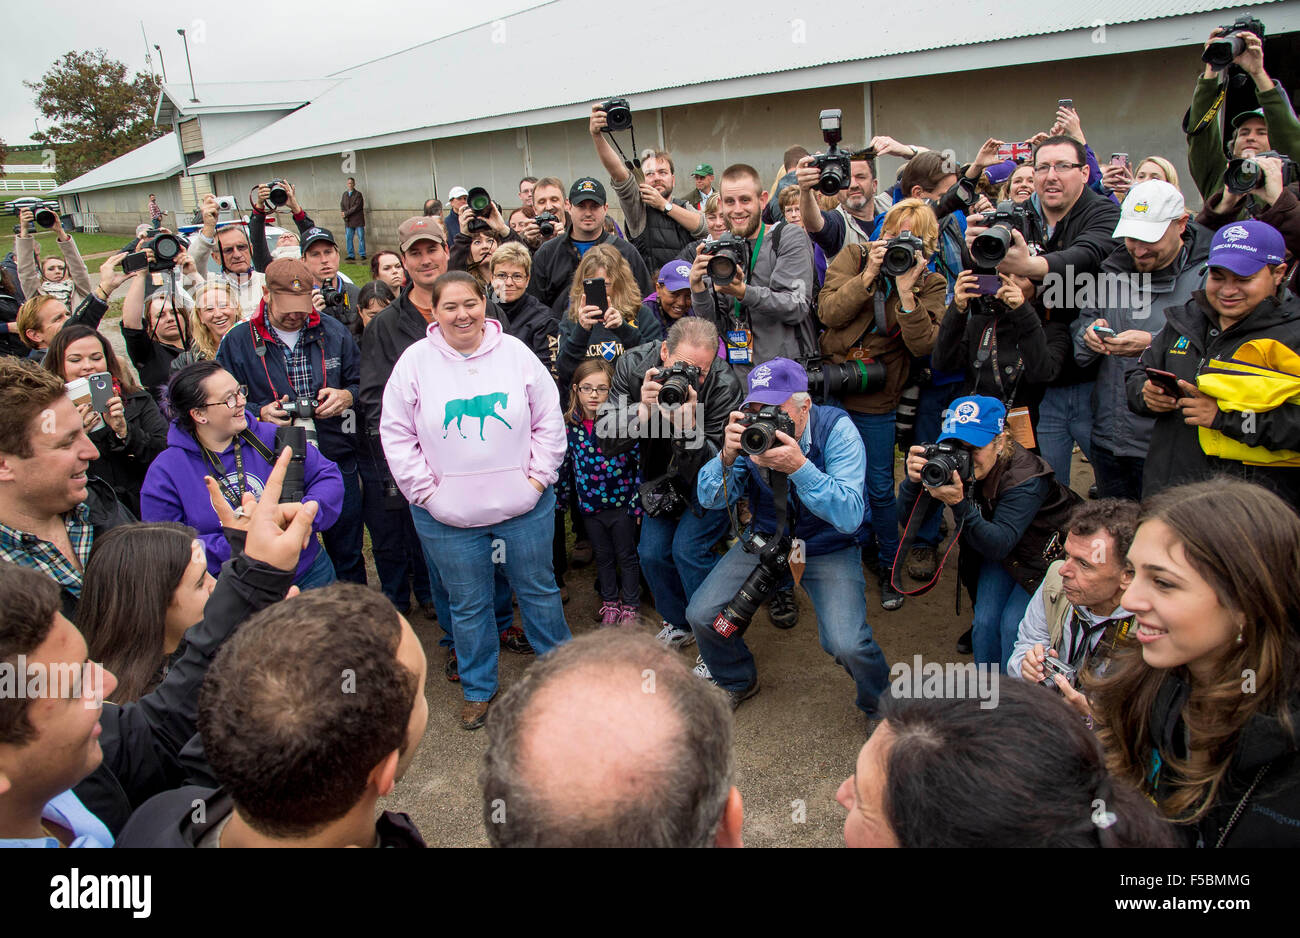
{"x": 330, "y": 402}
{"x": 933, "y": 463}
{"x": 1031, "y": 665}
{"x": 25, "y": 223}
{"x": 275, "y": 413}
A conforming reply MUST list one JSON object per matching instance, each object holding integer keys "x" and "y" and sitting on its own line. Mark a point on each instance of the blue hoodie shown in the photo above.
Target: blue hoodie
{"x": 174, "y": 490}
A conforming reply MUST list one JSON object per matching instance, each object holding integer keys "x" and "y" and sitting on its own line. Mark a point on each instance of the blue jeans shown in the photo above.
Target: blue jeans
{"x": 360, "y": 232}
{"x": 834, "y": 583}
{"x": 465, "y": 564}
{"x": 399, "y": 559}
{"x": 1000, "y": 604}
{"x": 320, "y": 573}
{"x": 676, "y": 555}
{"x": 345, "y": 539}
{"x": 1065, "y": 418}
{"x": 1117, "y": 476}
{"x": 877, "y": 432}
{"x": 933, "y": 401}
{"x": 501, "y": 605}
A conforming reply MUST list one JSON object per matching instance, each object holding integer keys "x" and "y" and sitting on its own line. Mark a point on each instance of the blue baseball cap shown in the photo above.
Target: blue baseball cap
{"x": 774, "y": 381}
{"x": 675, "y": 275}
{"x": 1246, "y": 247}
{"x": 974, "y": 420}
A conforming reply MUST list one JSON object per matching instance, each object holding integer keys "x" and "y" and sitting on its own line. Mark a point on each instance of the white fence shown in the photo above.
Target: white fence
{"x": 27, "y": 185}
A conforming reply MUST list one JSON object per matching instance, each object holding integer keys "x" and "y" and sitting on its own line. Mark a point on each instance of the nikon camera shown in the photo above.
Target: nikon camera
{"x": 677, "y": 382}
{"x": 760, "y": 429}
{"x": 989, "y": 248}
{"x": 835, "y": 166}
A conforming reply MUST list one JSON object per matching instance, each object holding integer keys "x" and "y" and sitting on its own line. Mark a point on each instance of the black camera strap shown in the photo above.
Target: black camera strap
{"x": 779, "y": 482}
{"x": 633, "y": 165}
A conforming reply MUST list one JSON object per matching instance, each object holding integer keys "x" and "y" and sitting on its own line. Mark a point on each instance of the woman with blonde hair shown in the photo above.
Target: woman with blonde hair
{"x": 215, "y": 312}
{"x": 591, "y": 330}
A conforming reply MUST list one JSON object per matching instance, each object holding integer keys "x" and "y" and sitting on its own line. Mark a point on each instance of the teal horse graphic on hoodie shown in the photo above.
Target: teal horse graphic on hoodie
{"x": 482, "y": 407}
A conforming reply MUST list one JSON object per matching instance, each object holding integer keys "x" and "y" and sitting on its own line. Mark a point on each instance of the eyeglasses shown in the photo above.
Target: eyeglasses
{"x": 588, "y": 389}
{"x": 232, "y": 400}
{"x": 512, "y": 278}
{"x": 1061, "y": 168}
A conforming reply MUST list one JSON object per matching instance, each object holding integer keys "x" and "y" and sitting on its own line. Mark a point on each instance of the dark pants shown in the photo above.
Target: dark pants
{"x": 613, "y": 535}
{"x": 930, "y": 408}
{"x": 1117, "y": 476}
{"x": 399, "y": 558}
{"x": 345, "y": 539}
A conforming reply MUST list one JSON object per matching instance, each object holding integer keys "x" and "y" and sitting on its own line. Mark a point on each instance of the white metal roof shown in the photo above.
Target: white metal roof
{"x": 157, "y": 159}
{"x": 223, "y": 97}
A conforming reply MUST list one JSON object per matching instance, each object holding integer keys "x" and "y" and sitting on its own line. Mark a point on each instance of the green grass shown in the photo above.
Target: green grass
{"x": 87, "y": 244}
{"x": 15, "y": 157}
{"x": 358, "y": 273}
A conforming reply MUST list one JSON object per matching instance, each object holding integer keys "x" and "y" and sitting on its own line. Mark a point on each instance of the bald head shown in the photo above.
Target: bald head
{"x": 609, "y": 741}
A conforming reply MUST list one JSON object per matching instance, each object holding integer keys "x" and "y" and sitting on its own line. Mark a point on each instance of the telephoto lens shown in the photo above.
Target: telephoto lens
{"x": 828, "y": 380}
{"x": 296, "y": 439}
{"x": 166, "y": 248}
{"x": 757, "y": 589}
{"x": 45, "y": 217}
{"x": 480, "y": 203}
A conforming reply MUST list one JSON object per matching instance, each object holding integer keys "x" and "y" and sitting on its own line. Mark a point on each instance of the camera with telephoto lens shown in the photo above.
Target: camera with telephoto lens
{"x": 294, "y": 487}
{"x": 166, "y": 249}
{"x": 546, "y": 223}
{"x": 45, "y": 217}
{"x": 479, "y": 202}
{"x": 989, "y": 248}
{"x": 618, "y": 114}
{"x": 279, "y": 192}
{"x": 758, "y": 587}
{"x": 941, "y": 461}
{"x": 829, "y": 380}
{"x": 331, "y": 295}
{"x": 677, "y": 382}
{"x": 727, "y": 256}
{"x": 1220, "y": 52}
{"x": 835, "y": 164}
{"x": 1054, "y": 666}
{"x": 760, "y": 430}
{"x": 900, "y": 254}
{"x": 1246, "y": 175}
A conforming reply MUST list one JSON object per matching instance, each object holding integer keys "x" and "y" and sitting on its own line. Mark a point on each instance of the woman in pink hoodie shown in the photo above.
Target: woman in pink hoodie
{"x": 474, "y": 436}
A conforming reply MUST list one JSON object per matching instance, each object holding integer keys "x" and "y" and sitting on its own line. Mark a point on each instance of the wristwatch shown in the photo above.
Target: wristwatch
{"x": 668, "y": 207}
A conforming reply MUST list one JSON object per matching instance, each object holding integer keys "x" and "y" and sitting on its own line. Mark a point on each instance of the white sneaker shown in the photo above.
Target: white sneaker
{"x": 673, "y": 637}
{"x": 701, "y": 670}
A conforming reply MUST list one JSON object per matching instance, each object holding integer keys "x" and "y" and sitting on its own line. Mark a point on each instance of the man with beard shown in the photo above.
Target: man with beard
{"x": 854, "y": 221}
{"x": 764, "y": 312}
{"x": 658, "y": 225}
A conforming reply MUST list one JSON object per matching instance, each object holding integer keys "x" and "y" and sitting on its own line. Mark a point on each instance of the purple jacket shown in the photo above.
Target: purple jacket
{"x": 174, "y": 490}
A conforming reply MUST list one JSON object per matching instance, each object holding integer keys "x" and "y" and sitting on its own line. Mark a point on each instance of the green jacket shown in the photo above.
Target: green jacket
{"x": 1205, "y": 153}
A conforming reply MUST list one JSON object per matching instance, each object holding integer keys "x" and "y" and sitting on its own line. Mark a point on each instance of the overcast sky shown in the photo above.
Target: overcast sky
{"x": 233, "y": 40}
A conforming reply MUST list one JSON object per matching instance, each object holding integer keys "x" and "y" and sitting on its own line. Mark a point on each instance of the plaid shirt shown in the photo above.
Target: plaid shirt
{"x": 297, "y": 365}
{"x": 28, "y": 550}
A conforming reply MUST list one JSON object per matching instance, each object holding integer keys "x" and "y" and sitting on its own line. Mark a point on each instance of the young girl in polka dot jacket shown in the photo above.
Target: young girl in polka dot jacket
{"x": 607, "y": 495}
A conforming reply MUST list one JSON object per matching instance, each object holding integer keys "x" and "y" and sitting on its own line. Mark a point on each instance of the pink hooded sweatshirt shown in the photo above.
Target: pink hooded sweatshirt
{"x": 463, "y": 435}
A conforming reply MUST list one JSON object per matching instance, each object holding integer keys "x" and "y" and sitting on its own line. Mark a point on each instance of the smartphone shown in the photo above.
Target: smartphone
{"x": 1065, "y": 102}
{"x": 101, "y": 391}
{"x": 134, "y": 262}
{"x": 1166, "y": 381}
{"x": 1105, "y": 331}
{"x": 594, "y": 290}
{"x": 987, "y": 284}
{"x": 1120, "y": 159}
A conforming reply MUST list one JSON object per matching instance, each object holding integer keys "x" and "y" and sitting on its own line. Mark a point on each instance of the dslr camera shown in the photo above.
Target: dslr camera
{"x": 279, "y": 192}
{"x": 727, "y": 256}
{"x": 480, "y": 203}
{"x": 991, "y": 247}
{"x": 1246, "y": 175}
{"x": 332, "y": 297}
{"x": 941, "y": 461}
{"x": 166, "y": 249}
{"x": 300, "y": 408}
{"x": 1221, "y": 51}
{"x": 618, "y": 114}
{"x": 45, "y": 217}
{"x": 900, "y": 254}
{"x": 546, "y": 222}
{"x": 758, "y": 587}
{"x": 828, "y": 380}
{"x": 760, "y": 430}
{"x": 837, "y": 173}
{"x": 677, "y": 381}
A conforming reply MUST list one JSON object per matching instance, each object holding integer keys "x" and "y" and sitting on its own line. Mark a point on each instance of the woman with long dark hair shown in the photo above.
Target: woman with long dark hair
{"x": 144, "y": 586}
{"x": 1202, "y": 710}
{"x": 132, "y": 431}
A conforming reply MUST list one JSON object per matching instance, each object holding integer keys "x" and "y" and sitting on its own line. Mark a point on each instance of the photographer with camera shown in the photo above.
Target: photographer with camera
{"x": 1262, "y": 186}
{"x": 1073, "y": 227}
{"x": 802, "y": 466}
{"x": 240, "y": 258}
{"x": 1009, "y": 509}
{"x": 64, "y": 279}
{"x": 676, "y": 433}
{"x": 40, "y": 318}
{"x": 333, "y": 296}
{"x": 657, "y": 224}
{"x": 557, "y": 258}
{"x": 303, "y": 369}
{"x": 1274, "y": 126}
{"x": 756, "y": 282}
{"x": 882, "y": 309}
{"x": 1208, "y": 422}
{"x": 155, "y": 325}
{"x": 1076, "y": 619}
{"x": 851, "y": 178}
{"x": 1160, "y": 265}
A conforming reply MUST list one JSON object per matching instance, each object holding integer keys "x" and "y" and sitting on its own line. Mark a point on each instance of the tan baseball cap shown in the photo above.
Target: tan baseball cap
{"x": 420, "y": 228}
{"x": 290, "y": 284}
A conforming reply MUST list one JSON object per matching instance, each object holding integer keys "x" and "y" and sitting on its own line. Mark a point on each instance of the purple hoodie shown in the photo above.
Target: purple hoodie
{"x": 174, "y": 490}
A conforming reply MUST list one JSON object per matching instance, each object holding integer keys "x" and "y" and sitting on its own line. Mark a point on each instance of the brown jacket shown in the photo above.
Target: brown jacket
{"x": 848, "y": 309}
{"x": 353, "y": 207}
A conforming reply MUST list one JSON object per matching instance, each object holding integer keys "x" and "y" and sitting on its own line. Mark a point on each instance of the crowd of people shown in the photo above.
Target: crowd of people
{"x": 709, "y": 401}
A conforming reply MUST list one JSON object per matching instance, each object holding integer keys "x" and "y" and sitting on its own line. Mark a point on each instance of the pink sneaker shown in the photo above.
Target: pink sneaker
{"x": 610, "y": 614}
{"x": 629, "y": 613}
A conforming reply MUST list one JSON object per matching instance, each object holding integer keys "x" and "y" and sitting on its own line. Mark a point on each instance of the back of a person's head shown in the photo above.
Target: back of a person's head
{"x": 301, "y": 705}
{"x": 1025, "y": 773}
{"x": 28, "y": 601}
{"x": 26, "y": 389}
{"x": 609, "y": 741}
{"x": 790, "y": 159}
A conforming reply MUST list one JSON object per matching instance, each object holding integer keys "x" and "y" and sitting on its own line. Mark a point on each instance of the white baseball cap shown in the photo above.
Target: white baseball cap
{"x": 1148, "y": 209}
{"x": 458, "y": 192}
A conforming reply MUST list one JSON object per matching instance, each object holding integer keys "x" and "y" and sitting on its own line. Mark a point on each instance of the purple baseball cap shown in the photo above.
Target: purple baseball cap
{"x": 974, "y": 420}
{"x": 774, "y": 381}
{"x": 999, "y": 173}
{"x": 675, "y": 275}
{"x": 1246, "y": 247}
